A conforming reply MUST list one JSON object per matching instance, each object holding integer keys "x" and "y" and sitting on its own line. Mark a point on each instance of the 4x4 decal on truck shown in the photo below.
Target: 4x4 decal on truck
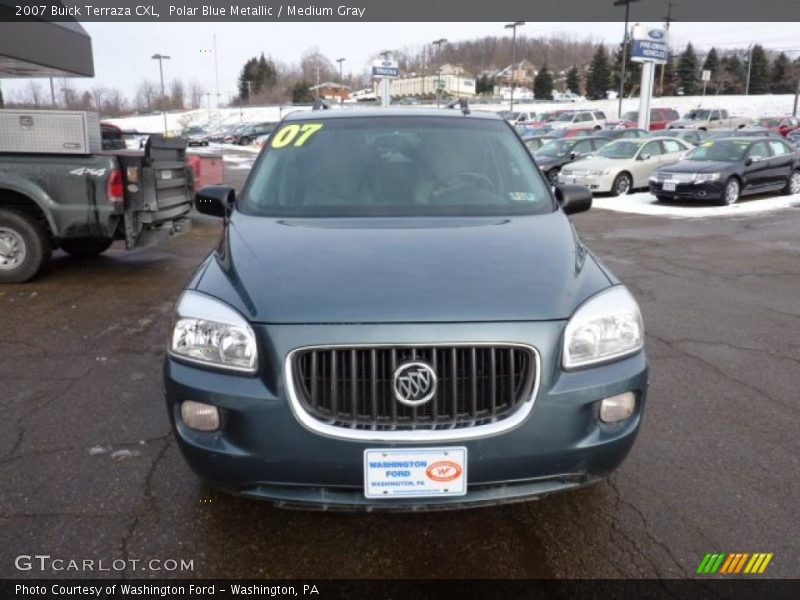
{"x": 87, "y": 171}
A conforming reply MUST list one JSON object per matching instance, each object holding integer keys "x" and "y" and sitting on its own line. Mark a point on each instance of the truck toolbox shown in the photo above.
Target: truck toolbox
{"x": 50, "y": 132}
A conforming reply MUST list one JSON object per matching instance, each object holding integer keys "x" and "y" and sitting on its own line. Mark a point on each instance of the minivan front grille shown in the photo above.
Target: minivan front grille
{"x": 354, "y": 388}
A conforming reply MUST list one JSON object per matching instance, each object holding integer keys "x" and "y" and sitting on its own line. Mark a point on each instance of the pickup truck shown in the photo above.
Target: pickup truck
{"x": 708, "y": 118}
{"x": 83, "y": 203}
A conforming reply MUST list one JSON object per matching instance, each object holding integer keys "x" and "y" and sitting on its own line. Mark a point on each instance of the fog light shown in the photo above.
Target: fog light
{"x": 197, "y": 415}
{"x": 617, "y": 408}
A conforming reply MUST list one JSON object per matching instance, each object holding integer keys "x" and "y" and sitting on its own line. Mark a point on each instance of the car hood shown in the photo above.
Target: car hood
{"x": 601, "y": 162}
{"x": 402, "y": 270}
{"x": 698, "y": 166}
{"x": 683, "y": 123}
{"x": 549, "y": 161}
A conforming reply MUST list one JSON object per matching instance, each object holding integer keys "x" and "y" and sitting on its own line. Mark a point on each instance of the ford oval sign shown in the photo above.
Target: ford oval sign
{"x": 656, "y": 34}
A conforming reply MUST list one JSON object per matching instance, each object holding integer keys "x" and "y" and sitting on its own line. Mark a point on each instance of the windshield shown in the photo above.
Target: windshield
{"x": 395, "y": 166}
{"x": 630, "y": 116}
{"x": 770, "y": 122}
{"x": 565, "y": 117}
{"x": 697, "y": 115}
{"x": 556, "y": 148}
{"x": 620, "y": 149}
{"x": 724, "y": 150}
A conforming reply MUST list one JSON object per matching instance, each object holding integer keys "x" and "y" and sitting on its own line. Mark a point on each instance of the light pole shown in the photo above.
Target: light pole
{"x": 627, "y": 4}
{"x": 161, "y": 58}
{"x": 438, "y": 43}
{"x": 341, "y": 79}
{"x": 749, "y": 65}
{"x": 513, "y": 27}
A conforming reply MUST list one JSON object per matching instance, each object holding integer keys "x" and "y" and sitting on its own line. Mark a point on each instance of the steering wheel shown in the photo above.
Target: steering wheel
{"x": 462, "y": 179}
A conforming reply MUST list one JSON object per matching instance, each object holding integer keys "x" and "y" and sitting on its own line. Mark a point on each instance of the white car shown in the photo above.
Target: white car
{"x": 624, "y": 165}
{"x": 520, "y": 117}
{"x": 581, "y": 119}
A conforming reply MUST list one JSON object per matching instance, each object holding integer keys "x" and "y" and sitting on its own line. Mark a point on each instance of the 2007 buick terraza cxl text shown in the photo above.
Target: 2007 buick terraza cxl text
{"x": 400, "y": 315}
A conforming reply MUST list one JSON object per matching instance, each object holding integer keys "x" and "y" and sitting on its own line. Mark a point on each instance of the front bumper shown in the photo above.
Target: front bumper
{"x": 711, "y": 190}
{"x": 602, "y": 184}
{"x": 262, "y": 450}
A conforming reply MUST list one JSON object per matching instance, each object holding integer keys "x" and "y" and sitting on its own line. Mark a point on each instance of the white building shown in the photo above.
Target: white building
{"x": 452, "y": 80}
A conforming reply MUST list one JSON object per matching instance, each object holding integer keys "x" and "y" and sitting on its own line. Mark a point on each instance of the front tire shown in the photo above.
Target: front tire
{"x": 792, "y": 184}
{"x": 24, "y": 247}
{"x": 245, "y": 141}
{"x": 731, "y": 192}
{"x": 623, "y": 184}
{"x": 552, "y": 177}
{"x": 85, "y": 248}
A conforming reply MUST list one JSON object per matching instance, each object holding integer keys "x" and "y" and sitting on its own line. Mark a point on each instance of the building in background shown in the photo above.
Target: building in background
{"x": 331, "y": 91}
{"x": 451, "y": 80}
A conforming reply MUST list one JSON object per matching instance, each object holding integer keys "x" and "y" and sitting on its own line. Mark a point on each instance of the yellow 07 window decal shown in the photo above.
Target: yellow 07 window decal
{"x": 295, "y": 135}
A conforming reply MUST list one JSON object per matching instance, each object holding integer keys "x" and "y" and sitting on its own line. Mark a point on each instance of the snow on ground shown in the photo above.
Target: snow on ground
{"x": 743, "y": 106}
{"x": 643, "y": 203}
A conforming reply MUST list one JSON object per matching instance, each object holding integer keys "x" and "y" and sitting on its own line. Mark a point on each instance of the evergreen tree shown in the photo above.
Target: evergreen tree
{"x": 266, "y": 74}
{"x": 759, "y": 71}
{"x": 732, "y": 75}
{"x": 711, "y": 63}
{"x": 543, "y": 84}
{"x": 574, "y": 80}
{"x": 247, "y": 78}
{"x": 687, "y": 70}
{"x": 633, "y": 71}
{"x": 599, "y": 77}
{"x": 781, "y": 75}
{"x": 666, "y": 81}
{"x": 301, "y": 92}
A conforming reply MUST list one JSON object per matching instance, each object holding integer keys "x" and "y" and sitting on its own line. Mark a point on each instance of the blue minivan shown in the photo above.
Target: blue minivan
{"x": 399, "y": 315}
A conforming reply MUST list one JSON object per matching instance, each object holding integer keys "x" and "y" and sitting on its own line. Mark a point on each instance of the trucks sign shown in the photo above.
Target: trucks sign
{"x": 385, "y": 69}
{"x": 649, "y": 45}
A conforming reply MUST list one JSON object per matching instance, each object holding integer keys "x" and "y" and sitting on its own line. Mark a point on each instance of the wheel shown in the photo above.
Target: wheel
{"x": 792, "y": 184}
{"x": 552, "y": 177}
{"x": 84, "y": 248}
{"x": 731, "y": 191}
{"x": 245, "y": 141}
{"x": 622, "y": 185}
{"x": 24, "y": 247}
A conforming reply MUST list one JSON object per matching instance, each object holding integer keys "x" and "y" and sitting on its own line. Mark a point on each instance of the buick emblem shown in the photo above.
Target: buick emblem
{"x": 414, "y": 383}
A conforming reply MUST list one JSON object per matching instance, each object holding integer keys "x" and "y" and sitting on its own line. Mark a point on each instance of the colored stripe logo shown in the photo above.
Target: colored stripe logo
{"x": 734, "y": 563}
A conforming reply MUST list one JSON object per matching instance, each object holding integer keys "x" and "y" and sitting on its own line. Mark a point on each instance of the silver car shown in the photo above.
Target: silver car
{"x": 624, "y": 165}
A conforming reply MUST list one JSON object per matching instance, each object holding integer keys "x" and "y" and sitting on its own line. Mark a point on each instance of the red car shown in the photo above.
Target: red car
{"x": 782, "y": 125}
{"x": 659, "y": 118}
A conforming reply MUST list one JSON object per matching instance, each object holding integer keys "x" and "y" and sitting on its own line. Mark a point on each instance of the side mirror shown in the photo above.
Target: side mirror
{"x": 644, "y": 156}
{"x": 574, "y": 155}
{"x": 574, "y": 198}
{"x": 215, "y": 200}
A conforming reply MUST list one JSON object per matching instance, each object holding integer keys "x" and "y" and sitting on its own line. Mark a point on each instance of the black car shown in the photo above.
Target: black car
{"x": 247, "y": 134}
{"x": 720, "y": 134}
{"x": 726, "y": 169}
{"x": 558, "y": 152}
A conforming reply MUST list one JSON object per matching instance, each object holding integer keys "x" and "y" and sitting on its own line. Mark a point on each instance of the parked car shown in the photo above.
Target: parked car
{"x": 624, "y": 165}
{"x": 794, "y": 137}
{"x": 628, "y": 133}
{"x": 659, "y": 119}
{"x": 781, "y": 125}
{"x": 196, "y": 136}
{"x": 547, "y": 119}
{"x": 552, "y": 156}
{"x": 305, "y": 367}
{"x": 747, "y": 131}
{"x": 690, "y": 136}
{"x": 247, "y": 133}
{"x": 519, "y": 117}
{"x": 708, "y": 118}
{"x": 534, "y": 143}
{"x": 581, "y": 119}
{"x": 724, "y": 170}
{"x": 218, "y": 135}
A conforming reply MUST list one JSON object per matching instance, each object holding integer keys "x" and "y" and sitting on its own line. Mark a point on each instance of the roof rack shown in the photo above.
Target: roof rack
{"x": 462, "y": 104}
{"x": 321, "y": 104}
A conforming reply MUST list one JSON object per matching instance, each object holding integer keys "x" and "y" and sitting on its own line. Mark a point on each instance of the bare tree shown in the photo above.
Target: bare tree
{"x": 196, "y": 93}
{"x": 147, "y": 96}
{"x": 177, "y": 96}
{"x": 34, "y": 95}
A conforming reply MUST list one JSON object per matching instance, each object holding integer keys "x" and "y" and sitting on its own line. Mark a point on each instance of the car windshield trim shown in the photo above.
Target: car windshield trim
{"x": 719, "y": 151}
{"x": 404, "y": 166}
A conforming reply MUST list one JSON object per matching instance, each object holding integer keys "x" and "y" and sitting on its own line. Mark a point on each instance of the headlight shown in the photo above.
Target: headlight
{"x": 597, "y": 172}
{"x": 606, "y": 327}
{"x": 704, "y": 177}
{"x": 209, "y": 332}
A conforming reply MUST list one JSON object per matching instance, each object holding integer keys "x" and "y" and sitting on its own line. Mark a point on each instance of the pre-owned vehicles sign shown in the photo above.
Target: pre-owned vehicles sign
{"x": 649, "y": 45}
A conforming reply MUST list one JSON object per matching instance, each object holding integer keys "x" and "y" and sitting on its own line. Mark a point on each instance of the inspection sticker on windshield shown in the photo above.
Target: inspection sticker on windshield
{"x": 415, "y": 472}
{"x": 522, "y": 196}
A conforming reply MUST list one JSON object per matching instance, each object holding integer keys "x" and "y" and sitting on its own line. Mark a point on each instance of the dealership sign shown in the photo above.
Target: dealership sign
{"x": 385, "y": 69}
{"x": 649, "y": 45}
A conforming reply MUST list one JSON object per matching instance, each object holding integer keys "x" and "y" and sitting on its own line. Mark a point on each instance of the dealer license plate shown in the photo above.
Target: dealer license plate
{"x": 669, "y": 186}
{"x": 166, "y": 174}
{"x": 415, "y": 472}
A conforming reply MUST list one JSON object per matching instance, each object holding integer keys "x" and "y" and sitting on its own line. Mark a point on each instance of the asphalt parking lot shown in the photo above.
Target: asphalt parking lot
{"x": 89, "y": 468}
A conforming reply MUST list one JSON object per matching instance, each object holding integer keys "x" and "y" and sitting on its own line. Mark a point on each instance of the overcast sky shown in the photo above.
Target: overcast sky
{"x": 122, "y": 51}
